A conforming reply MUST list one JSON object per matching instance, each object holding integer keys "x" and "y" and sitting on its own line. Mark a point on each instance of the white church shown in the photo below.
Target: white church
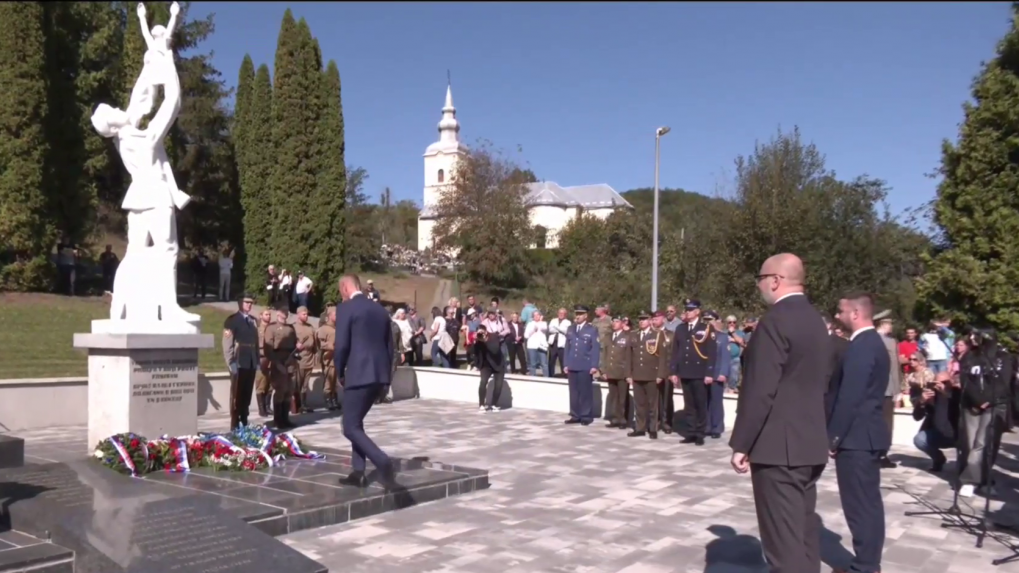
{"x": 551, "y": 205}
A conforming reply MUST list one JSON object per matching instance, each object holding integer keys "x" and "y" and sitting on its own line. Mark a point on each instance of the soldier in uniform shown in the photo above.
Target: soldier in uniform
{"x": 666, "y": 391}
{"x": 280, "y": 349}
{"x": 326, "y": 338}
{"x": 693, "y": 363}
{"x": 581, "y": 364}
{"x": 720, "y": 374}
{"x": 307, "y": 351}
{"x": 262, "y": 388}
{"x": 603, "y": 322}
{"x": 647, "y": 368}
{"x": 615, "y": 369}
{"x": 240, "y": 350}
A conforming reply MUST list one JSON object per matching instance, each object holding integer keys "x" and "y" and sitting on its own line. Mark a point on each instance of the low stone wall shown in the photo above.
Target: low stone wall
{"x": 29, "y": 404}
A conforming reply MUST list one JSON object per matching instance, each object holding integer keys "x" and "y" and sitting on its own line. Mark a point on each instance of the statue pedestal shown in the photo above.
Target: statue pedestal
{"x": 142, "y": 383}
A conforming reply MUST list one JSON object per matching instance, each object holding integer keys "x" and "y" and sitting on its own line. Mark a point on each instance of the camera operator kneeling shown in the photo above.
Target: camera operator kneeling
{"x": 492, "y": 363}
{"x": 985, "y": 372}
{"x": 937, "y": 405}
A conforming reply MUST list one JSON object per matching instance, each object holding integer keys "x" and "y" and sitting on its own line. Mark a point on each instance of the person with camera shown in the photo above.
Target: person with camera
{"x": 985, "y": 372}
{"x": 936, "y": 407}
{"x": 492, "y": 364}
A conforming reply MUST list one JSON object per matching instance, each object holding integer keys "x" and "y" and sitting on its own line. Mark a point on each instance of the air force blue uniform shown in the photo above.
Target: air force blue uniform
{"x": 859, "y": 436}
{"x": 582, "y": 355}
{"x": 364, "y": 359}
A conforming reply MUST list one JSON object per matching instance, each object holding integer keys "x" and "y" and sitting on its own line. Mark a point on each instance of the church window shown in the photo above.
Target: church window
{"x": 542, "y": 237}
{"x": 442, "y": 176}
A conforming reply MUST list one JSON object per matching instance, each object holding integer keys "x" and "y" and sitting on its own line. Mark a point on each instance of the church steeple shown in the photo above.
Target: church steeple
{"x": 449, "y": 127}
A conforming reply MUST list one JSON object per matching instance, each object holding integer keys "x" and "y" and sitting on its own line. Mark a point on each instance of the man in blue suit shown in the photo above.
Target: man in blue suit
{"x": 857, "y": 433}
{"x": 363, "y": 359}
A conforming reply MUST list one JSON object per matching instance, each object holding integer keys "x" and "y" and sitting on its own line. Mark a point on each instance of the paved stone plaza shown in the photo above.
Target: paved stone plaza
{"x": 574, "y": 499}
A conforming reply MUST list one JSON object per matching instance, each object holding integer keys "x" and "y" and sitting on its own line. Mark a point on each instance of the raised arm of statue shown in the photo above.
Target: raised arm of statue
{"x": 146, "y": 33}
{"x": 172, "y": 24}
{"x": 161, "y": 122}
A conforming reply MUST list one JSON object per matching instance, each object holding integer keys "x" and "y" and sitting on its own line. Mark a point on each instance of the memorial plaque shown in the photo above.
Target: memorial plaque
{"x": 164, "y": 392}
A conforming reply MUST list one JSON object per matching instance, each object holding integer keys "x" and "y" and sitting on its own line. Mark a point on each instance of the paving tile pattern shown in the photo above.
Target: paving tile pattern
{"x": 590, "y": 500}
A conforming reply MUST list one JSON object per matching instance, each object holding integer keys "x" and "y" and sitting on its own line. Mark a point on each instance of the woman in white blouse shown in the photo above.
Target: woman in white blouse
{"x": 440, "y": 340}
{"x": 406, "y": 333}
{"x": 557, "y": 328}
{"x": 536, "y": 337}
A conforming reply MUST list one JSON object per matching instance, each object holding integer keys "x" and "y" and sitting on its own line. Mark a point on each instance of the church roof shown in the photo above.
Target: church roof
{"x": 449, "y": 130}
{"x": 597, "y": 196}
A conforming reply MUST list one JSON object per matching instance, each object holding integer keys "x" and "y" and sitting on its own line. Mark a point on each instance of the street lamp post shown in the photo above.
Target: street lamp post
{"x": 654, "y": 247}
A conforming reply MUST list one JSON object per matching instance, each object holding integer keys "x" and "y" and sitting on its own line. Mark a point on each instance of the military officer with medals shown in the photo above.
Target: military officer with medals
{"x": 615, "y": 369}
{"x": 666, "y": 391}
{"x": 326, "y": 335}
{"x": 647, "y": 369}
{"x": 583, "y": 352}
{"x": 240, "y": 350}
{"x": 693, "y": 363}
{"x": 281, "y": 348}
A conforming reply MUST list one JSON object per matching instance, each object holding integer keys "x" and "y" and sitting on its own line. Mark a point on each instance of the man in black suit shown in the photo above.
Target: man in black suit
{"x": 780, "y": 424}
{"x": 839, "y": 345}
{"x": 240, "y": 351}
{"x": 363, "y": 359}
{"x": 857, "y": 432}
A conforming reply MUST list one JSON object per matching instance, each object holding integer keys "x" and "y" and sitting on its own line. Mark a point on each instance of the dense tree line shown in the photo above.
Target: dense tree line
{"x": 59, "y": 180}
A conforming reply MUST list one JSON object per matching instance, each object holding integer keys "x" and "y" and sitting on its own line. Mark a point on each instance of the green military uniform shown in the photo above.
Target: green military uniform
{"x": 604, "y": 326}
{"x": 666, "y": 390}
{"x": 280, "y": 346}
{"x": 647, "y": 367}
{"x": 305, "y": 364}
{"x": 326, "y": 336}
{"x": 262, "y": 376}
{"x": 615, "y": 368}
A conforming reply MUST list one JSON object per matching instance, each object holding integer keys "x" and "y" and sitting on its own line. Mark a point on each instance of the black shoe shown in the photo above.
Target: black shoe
{"x": 699, "y": 442}
{"x": 355, "y": 479}
{"x": 386, "y": 400}
{"x": 261, "y": 405}
{"x": 938, "y": 465}
{"x": 715, "y": 436}
{"x": 689, "y": 440}
{"x": 387, "y": 478}
{"x": 887, "y": 464}
{"x": 585, "y": 422}
{"x": 653, "y": 435}
{"x": 635, "y": 434}
{"x": 667, "y": 429}
{"x": 572, "y": 421}
{"x": 611, "y": 425}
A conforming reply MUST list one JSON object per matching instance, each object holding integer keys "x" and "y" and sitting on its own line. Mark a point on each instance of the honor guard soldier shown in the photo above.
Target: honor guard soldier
{"x": 603, "y": 322}
{"x": 307, "y": 351}
{"x": 615, "y": 369}
{"x": 720, "y": 373}
{"x": 240, "y": 350}
{"x": 581, "y": 364}
{"x": 280, "y": 349}
{"x": 326, "y": 335}
{"x": 666, "y": 391}
{"x": 647, "y": 369}
{"x": 263, "y": 392}
{"x": 693, "y": 363}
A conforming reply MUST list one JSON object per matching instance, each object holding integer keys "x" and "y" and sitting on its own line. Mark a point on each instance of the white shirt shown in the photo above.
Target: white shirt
{"x": 535, "y": 334}
{"x": 785, "y": 296}
{"x": 225, "y": 264}
{"x": 285, "y": 281}
{"x": 438, "y": 325}
{"x": 558, "y": 326}
{"x": 933, "y": 346}
{"x": 859, "y": 330}
{"x": 303, "y": 285}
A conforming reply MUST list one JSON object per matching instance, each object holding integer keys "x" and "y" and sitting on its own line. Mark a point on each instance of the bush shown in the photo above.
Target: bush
{"x": 35, "y": 274}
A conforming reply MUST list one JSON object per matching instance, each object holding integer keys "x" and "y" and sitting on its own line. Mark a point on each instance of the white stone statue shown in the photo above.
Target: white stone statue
{"x": 145, "y": 287}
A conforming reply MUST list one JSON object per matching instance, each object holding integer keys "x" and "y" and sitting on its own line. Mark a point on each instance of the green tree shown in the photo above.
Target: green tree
{"x": 483, "y": 218}
{"x": 327, "y": 204}
{"x": 27, "y": 227}
{"x": 362, "y": 239}
{"x": 256, "y": 196}
{"x": 972, "y": 273}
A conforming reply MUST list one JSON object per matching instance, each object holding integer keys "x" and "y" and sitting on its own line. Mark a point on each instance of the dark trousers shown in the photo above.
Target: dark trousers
{"x": 666, "y": 403}
{"x": 417, "y": 348}
{"x": 716, "y": 408}
{"x": 555, "y": 354}
{"x": 242, "y": 385}
{"x": 517, "y": 353}
{"x": 488, "y": 393}
{"x": 786, "y": 502}
{"x": 201, "y": 283}
{"x": 357, "y": 401}
{"x": 581, "y": 395}
{"x": 695, "y": 406}
{"x": 108, "y": 276}
{"x": 619, "y": 394}
{"x": 859, "y": 478}
{"x": 645, "y": 406}
{"x": 888, "y": 410}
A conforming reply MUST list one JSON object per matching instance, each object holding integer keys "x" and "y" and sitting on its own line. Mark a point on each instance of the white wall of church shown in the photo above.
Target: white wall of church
{"x": 425, "y": 227}
{"x": 602, "y": 213}
{"x": 553, "y": 219}
{"x": 444, "y": 162}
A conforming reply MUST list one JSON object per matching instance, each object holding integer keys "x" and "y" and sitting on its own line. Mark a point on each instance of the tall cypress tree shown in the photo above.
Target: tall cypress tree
{"x": 974, "y": 273}
{"x": 256, "y": 191}
{"x": 27, "y": 230}
{"x": 327, "y": 205}
{"x": 239, "y": 128}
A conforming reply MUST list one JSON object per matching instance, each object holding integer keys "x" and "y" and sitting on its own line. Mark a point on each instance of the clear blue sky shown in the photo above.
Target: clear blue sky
{"x": 582, "y": 87}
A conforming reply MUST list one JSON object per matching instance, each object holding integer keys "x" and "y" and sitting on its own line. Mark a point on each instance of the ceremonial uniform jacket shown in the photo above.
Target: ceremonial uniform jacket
{"x": 647, "y": 355}
{"x": 693, "y": 351}
{"x": 666, "y": 347}
{"x": 326, "y": 335}
{"x": 583, "y": 350}
{"x": 604, "y": 326}
{"x": 615, "y": 361}
{"x": 309, "y": 343}
{"x": 240, "y": 341}
{"x": 280, "y": 345}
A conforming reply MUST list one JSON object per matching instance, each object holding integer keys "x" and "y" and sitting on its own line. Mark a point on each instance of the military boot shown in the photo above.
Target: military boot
{"x": 284, "y": 422}
{"x": 267, "y": 404}
{"x": 295, "y": 403}
{"x": 334, "y": 401}
{"x": 260, "y": 398}
{"x": 277, "y": 415}
{"x": 305, "y": 405}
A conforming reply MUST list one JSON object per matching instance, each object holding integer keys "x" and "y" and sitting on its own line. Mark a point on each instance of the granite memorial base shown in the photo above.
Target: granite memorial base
{"x": 204, "y": 520}
{"x": 142, "y": 383}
